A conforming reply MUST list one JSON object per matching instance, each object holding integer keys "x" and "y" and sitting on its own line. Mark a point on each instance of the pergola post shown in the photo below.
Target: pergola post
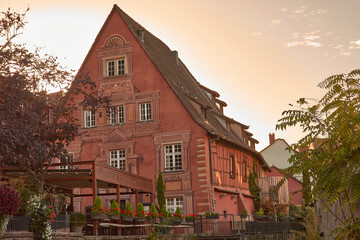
{"x": 94, "y": 192}
{"x": 136, "y": 197}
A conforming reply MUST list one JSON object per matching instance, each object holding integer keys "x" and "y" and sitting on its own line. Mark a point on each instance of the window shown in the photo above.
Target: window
{"x": 244, "y": 168}
{"x": 232, "y": 167}
{"x": 115, "y": 67}
{"x": 117, "y": 159}
{"x": 117, "y": 115}
{"x": 173, "y": 203}
{"x": 69, "y": 160}
{"x": 145, "y": 111}
{"x": 89, "y": 117}
{"x": 173, "y": 160}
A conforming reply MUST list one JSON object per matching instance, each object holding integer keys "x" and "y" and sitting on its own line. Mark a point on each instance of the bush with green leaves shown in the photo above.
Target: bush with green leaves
{"x": 97, "y": 207}
{"x": 160, "y": 188}
{"x": 114, "y": 209}
{"x": 244, "y": 213}
{"x": 129, "y": 210}
{"x": 163, "y": 212}
{"x": 177, "y": 214}
{"x": 152, "y": 214}
{"x": 140, "y": 212}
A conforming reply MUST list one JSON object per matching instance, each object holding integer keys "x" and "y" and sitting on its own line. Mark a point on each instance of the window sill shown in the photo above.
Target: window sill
{"x": 173, "y": 171}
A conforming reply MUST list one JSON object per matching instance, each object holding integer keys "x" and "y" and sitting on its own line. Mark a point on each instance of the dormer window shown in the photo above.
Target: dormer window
{"x": 115, "y": 67}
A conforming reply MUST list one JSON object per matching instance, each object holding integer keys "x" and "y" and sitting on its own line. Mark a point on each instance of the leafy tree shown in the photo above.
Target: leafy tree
{"x": 160, "y": 190}
{"x": 330, "y": 150}
{"x": 36, "y": 126}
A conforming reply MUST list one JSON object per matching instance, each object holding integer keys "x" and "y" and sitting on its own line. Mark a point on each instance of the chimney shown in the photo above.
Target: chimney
{"x": 176, "y": 56}
{"x": 140, "y": 32}
{"x": 271, "y": 138}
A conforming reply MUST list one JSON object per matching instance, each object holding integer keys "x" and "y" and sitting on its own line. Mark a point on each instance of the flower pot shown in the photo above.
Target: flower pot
{"x": 4, "y": 220}
{"x": 126, "y": 219}
{"x": 114, "y": 217}
{"x": 189, "y": 220}
{"x": 76, "y": 228}
{"x": 97, "y": 216}
{"x": 164, "y": 219}
{"x": 177, "y": 221}
{"x": 212, "y": 216}
{"x": 243, "y": 216}
{"x": 137, "y": 219}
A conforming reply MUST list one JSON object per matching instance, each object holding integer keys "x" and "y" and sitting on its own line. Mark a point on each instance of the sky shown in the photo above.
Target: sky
{"x": 259, "y": 55}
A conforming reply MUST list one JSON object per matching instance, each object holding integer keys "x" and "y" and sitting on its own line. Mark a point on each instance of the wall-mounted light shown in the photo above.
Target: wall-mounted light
{"x": 233, "y": 196}
{"x": 223, "y": 195}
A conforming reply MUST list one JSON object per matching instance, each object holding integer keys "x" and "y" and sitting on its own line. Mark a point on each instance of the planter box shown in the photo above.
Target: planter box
{"x": 126, "y": 219}
{"x": 97, "y": 216}
{"x": 61, "y": 221}
{"x": 189, "y": 220}
{"x": 164, "y": 220}
{"x": 212, "y": 217}
{"x": 177, "y": 221}
{"x": 114, "y": 217}
{"x": 76, "y": 228}
{"x": 136, "y": 219}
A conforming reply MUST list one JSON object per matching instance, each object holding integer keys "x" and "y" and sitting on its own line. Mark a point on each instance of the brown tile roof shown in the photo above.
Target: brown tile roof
{"x": 183, "y": 83}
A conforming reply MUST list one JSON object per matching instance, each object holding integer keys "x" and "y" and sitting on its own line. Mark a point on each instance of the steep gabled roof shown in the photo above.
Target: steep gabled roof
{"x": 185, "y": 86}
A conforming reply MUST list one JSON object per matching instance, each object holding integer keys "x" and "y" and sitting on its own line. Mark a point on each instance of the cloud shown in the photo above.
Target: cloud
{"x": 322, "y": 11}
{"x": 284, "y": 9}
{"x": 256, "y": 34}
{"x": 354, "y": 44}
{"x": 338, "y": 46}
{"x": 305, "y": 43}
{"x": 300, "y": 10}
{"x": 345, "y": 53}
{"x": 275, "y": 22}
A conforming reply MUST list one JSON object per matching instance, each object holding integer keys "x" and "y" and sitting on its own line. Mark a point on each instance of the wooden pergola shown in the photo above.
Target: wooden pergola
{"x": 89, "y": 174}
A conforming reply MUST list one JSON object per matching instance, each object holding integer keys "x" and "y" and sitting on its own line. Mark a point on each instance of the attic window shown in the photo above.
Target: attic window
{"x": 115, "y": 67}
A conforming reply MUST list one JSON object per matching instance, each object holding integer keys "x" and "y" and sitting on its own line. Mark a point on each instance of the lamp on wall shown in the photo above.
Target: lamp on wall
{"x": 233, "y": 196}
{"x": 223, "y": 195}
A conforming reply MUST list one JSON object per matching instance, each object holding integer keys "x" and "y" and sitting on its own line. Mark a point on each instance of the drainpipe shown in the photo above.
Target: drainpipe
{"x": 211, "y": 169}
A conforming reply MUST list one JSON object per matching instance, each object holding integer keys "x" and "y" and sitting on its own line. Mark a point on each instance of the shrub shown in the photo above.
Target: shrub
{"x": 140, "y": 213}
{"x": 97, "y": 208}
{"x": 78, "y": 218}
{"x": 160, "y": 188}
{"x": 190, "y": 216}
{"x": 129, "y": 210}
{"x": 114, "y": 208}
{"x": 152, "y": 214}
{"x": 260, "y": 212}
{"x": 244, "y": 213}
{"x": 9, "y": 201}
{"x": 163, "y": 212}
{"x": 177, "y": 214}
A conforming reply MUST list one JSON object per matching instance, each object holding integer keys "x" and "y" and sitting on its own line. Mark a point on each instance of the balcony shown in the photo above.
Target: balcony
{"x": 268, "y": 190}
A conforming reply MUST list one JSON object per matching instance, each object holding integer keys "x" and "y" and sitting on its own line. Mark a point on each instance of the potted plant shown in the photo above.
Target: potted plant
{"x": 140, "y": 213}
{"x": 9, "y": 203}
{"x": 114, "y": 211}
{"x": 190, "y": 217}
{"x": 77, "y": 220}
{"x": 243, "y": 214}
{"x": 258, "y": 214}
{"x": 152, "y": 214}
{"x": 177, "y": 216}
{"x": 127, "y": 214}
{"x": 164, "y": 215}
{"x": 97, "y": 211}
{"x": 211, "y": 215}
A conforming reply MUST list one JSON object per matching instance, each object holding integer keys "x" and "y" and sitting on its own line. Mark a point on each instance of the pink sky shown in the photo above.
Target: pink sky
{"x": 259, "y": 55}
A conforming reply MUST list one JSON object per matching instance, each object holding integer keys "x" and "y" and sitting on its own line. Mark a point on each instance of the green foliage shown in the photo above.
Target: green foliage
{"x": 329, "y": 152}
{"x": 97, "y": 207}
{"x": 129, "y": 210}
{"x": 160, "y": 188}
{"x": 177, "y": 214}
{"x": 140, "y": 213}
{"x": 254, "y": 188}
{"x": 153, "y": 214}
{"x": 244, "y": 213}
{"x": 311, "y": 225}
{"x": 260, "y": 212}
{"x": 163, "y": 212}
{"x": 114, "y": 208}
{"x": 77, "y": 218}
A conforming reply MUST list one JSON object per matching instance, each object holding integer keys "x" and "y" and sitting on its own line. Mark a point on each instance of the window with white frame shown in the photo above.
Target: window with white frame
{"x": 69, "y": 160}
{"x": 173, "y": 203}
{"x": 145, "y": 111}
{"x": 173, "y": 159}
{"x": 115, "y": 67}
{"x": 117, "y": 115}
{"x": 89, "y": 118}
{"x": 117, "y": 159}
